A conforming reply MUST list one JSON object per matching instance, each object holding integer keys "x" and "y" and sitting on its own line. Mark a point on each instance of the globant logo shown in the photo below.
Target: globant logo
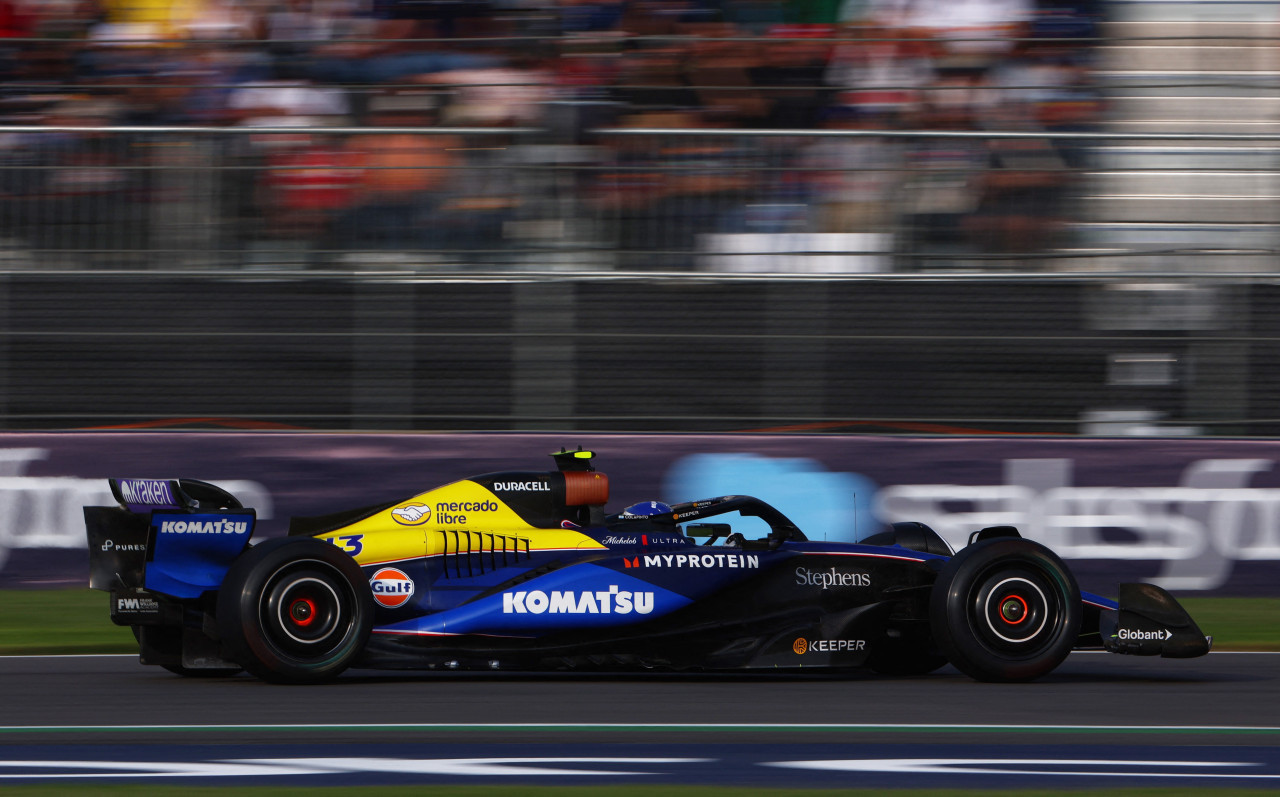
{"x": 391, "y": 587}
{"x": 610, "y": 601}
{"x": 1144, "y": 636}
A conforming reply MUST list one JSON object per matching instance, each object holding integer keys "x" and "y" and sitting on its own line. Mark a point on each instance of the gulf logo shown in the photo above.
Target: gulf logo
{"x": 391, "y": 587}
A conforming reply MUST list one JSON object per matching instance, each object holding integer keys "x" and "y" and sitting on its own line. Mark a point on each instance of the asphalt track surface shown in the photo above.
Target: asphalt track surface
{"x": 1099, "y": 720}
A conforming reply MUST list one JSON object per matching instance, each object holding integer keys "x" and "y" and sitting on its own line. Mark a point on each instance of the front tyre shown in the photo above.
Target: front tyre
{"x": 1005, "y": 610}
{"x": 294, "y": 610}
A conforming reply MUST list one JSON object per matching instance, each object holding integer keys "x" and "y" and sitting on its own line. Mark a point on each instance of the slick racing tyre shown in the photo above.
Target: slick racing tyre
{"x": 1005, "y": 610}
{"x": 294, "y": 610}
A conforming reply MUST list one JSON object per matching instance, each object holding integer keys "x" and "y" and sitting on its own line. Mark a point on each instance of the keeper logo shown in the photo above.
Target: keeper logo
{"x": 802, "y": 646}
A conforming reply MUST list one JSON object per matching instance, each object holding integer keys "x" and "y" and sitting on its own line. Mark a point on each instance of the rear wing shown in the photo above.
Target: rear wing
{"x": 144, "y": 495}
{"x": 172, "y": 536}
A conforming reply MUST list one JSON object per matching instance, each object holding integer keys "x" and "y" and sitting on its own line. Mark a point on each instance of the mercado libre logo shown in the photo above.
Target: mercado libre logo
{"x": 411, "y": 514}
{"x": 800, "y": 646}
{"x": 391, "y": 587}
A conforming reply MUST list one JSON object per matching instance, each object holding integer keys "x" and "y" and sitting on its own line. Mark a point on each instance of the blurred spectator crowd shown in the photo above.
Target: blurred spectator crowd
{"x": 475, "y": 126}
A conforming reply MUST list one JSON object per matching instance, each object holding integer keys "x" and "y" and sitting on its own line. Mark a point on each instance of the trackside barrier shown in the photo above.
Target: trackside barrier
{"x": 1199, "y": 516}
{"x": 392, "y": 350}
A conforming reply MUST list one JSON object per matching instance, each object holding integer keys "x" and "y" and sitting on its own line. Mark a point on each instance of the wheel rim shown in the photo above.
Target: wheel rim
{"x": 1015, "y": 611}
{"x": 305, "y": 611}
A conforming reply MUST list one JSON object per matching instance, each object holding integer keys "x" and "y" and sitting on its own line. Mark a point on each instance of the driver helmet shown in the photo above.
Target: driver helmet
{"x": 644, "y": 509}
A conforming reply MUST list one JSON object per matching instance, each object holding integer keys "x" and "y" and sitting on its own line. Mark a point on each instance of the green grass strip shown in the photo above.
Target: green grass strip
{"x": 77, "y": 621}
{"x": 61, "y": 621}
{"x": 1237, "y": 623}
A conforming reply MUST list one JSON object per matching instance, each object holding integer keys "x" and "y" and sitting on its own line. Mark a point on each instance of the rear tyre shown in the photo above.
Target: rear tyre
{"x": 1005, "y": 610}
{"x": 294, "y": 610}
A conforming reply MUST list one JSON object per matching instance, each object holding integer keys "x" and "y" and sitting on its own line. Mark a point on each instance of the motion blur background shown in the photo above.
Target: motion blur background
{"x": 920, "y": 220}
{"x": 674, "y": 215}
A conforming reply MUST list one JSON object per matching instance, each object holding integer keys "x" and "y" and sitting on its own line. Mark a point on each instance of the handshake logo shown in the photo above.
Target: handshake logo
{"x": 412, "y": 514}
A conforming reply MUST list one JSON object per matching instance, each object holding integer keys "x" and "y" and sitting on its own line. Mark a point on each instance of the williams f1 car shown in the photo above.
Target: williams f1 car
{"x": 526, "y": 571}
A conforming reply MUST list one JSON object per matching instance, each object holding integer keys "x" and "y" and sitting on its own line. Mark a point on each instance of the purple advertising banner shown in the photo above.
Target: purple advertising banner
{"x": 1198, "y": 516}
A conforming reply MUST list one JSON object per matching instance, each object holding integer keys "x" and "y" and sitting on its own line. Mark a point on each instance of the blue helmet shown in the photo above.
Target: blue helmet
{"x": 644, "y": 509}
